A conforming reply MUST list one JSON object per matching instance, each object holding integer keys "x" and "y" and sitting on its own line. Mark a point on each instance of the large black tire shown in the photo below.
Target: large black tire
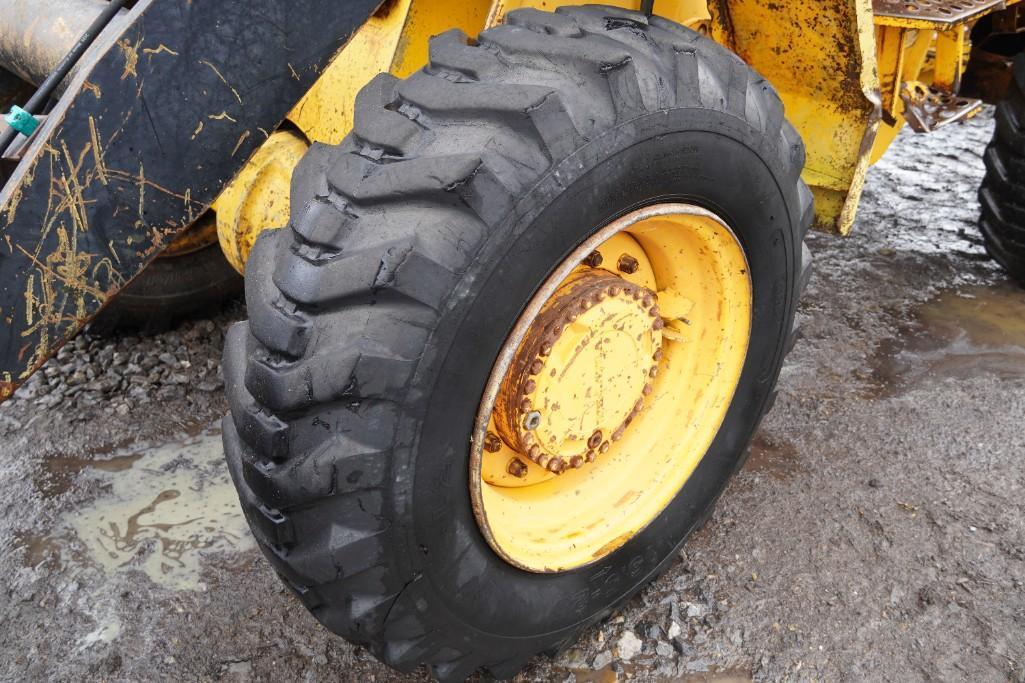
{"x": 414, "y": 245}
{"x": 170, "y": 290}
{"x": 1002, "y": 194}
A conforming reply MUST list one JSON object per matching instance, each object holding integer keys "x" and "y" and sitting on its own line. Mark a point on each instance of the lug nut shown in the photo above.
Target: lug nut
{"x": 556, "y": 465}
{"x": 536, "y": 367}
{"x": 627, "y": 264}
{"x": 492, "y": 444}
{"x": 604, "y": 448}
{"x": 576, "y": 462}
{"x": 529, "y": 386}
{"x": 593, "y": 260}
{"x": 517, "y": 468}
{"x": 595, "y": 439}
{"x": 590, "y": 456}
{"x": 658, "y": 324}
{"x": 532, "y": 420}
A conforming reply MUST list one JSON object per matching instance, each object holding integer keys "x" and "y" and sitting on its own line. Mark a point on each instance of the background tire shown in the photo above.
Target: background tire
{"x": 170, "y": 290}
{"x": 413, "y": 247}
{"x": 1002, "y": 194}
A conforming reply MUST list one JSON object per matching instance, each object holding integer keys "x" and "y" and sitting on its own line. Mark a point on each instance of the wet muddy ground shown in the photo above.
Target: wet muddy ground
{"x": 876, "y": 533}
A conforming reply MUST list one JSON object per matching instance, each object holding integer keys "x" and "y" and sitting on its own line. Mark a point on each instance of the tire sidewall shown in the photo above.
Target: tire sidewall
{"x": 714, "y": 160}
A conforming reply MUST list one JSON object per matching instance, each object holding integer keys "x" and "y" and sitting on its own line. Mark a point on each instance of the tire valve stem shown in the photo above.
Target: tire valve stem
{"x": 532, "y": 420}
{"x": 517, "y": 468}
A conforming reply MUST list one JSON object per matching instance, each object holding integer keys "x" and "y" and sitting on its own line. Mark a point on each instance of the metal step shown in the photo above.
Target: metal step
{"x": 926, "y": 108}
{"x": 940, "y": 15}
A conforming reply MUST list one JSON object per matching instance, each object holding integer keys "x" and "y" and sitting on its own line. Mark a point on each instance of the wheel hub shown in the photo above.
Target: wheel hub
{"x": 581, "y": 374}
{"x": 610, "y": 387}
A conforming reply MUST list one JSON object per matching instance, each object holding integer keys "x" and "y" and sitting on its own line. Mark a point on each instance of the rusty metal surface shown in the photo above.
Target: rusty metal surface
{"x": 821, "y": 59}
{"x": 141, "y": 144}
{"x": 940, "y": 14}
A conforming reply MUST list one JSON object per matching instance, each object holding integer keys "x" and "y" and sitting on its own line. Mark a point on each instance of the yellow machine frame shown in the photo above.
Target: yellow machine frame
{"x": 847, "y": 75}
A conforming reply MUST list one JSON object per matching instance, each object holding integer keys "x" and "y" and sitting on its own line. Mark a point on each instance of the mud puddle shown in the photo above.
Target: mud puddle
{"x": 159, "y": 509}
{"x": 960, "y": 334}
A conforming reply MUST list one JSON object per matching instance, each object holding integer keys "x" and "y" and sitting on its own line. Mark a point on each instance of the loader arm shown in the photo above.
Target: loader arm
{"x": 167, "y": 111}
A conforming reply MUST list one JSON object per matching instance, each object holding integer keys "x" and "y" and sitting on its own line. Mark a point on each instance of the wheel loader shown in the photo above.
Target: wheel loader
{"x": 520, "y": 275}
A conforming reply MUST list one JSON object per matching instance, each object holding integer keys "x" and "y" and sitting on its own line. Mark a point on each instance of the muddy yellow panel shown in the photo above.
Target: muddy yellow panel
{"x": 394, "y": 40}
{"x": 820, "y": 56}
{"x": 692, "y": 13}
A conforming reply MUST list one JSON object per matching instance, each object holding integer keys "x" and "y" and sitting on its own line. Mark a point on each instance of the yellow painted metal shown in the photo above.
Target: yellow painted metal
{"x": 627, "y": 366}
{"x": 820, "y": 57}
{"x": 394, "y": 40}
{"x": 902, "y": 57}
{"x": 950, "y": 58}
{"x": 199, "y": 235}
{"x": 692, "y": 13}
{"x": 258, "y": 197}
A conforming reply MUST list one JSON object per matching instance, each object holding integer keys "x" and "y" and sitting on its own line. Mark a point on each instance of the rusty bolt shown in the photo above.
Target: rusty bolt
{"x": 525, "y": 405}
{"x": 537, "y": 366}
{"x": 657, "y": 355}
{"x": 653, "y": 372}
{"x": 534, "y": 452}
{"x": 593, "y": 259}
{"x": 546, "y": 348}
{"x": 590, "y": 456}
{"x": 529, "y": 386}
{"x": 653, "y": 311}
{"x": 614, "y": 290}
{"x": 556, "y": 465}
{"x": 532, "y": 419}
{"x": 647, "y": 389}
{"x": 595, "y": 440}
{"x": 627, "y": 264}
{"x": 647, "y": 301}
{"x": 658, "y": 324}
{"x": 576, "y": 462}
{"x": 492, "y": 444}
{"x": 542, "y": 460}
{"x": 604, "y": 448}
{"x": 517, "y": 468}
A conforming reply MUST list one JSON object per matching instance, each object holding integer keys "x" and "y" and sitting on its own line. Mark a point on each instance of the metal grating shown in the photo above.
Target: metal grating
{"x": 939, "y": 14}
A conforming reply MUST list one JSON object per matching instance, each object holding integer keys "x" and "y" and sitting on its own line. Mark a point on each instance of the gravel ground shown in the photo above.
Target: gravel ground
{"x": 876, "y": 533}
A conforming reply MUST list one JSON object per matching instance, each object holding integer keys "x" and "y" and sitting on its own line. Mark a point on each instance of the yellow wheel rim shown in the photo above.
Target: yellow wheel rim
{"x": 611, "y": 388}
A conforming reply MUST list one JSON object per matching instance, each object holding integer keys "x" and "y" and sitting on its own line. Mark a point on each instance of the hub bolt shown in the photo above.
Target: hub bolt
{"x": 595, "y": 440}
{"x": 593, "y": 260}
{"x": 492, "y": 444}
{"x": 517, "y": 468}
{"x": 627, "y": 264}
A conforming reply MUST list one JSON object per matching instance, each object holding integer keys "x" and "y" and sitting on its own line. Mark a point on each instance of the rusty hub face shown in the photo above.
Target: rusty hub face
{"x": 581, "y": 376}
{"x": 610, "y": 387}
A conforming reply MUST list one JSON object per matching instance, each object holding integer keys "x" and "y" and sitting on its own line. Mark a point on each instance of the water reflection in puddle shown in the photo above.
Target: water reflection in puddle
{"x": 162, "y": 508}
{"x": 959, "y": 334}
